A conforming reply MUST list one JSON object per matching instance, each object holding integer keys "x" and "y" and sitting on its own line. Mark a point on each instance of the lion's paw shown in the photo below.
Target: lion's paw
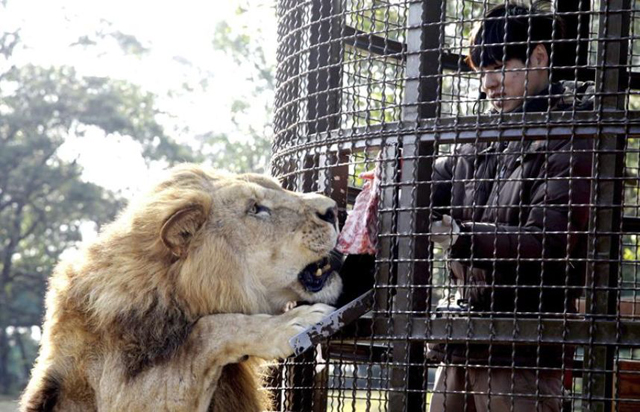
{"x": 294, "y": 322}
{"x": 304, "y": 316}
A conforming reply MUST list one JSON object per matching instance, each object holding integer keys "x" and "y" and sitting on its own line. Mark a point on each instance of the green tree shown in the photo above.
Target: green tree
{"x": 250, "y": 149}
{"x": 43, "y": 198}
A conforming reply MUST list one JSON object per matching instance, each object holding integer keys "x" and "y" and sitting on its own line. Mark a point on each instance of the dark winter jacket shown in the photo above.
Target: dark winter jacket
{"x": 521, "y": 209}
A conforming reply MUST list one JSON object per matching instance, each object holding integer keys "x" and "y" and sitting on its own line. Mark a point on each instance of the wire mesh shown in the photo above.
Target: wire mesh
{"x": 536, "y": 306}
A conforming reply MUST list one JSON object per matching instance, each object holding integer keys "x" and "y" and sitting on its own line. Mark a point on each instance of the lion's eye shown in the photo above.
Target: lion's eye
{"x": 259, "y": 210}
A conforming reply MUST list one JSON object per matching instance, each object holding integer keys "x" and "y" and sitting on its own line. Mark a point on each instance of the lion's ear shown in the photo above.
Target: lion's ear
{"x": 179, "y": 228}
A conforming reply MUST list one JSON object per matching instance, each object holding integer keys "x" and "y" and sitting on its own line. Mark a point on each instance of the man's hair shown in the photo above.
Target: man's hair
{"x": 512, "y": 31}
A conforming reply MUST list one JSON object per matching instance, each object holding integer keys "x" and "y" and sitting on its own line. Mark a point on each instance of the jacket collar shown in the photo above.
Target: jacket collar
{"x": 539, "y": 102}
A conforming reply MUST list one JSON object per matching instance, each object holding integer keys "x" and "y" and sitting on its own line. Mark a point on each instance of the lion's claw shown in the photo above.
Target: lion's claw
{"x": 295, "y": 321}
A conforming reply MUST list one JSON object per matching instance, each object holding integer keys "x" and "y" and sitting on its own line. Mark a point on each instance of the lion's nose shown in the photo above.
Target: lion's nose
{"x": 329, "y": 215}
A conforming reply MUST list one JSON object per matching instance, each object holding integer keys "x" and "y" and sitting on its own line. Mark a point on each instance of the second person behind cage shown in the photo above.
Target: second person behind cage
{"x": 513, "y": 222}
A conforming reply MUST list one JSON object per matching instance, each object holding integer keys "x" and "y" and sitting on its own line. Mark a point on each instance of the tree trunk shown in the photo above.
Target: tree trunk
{"x": 4, "y": 361}
{"x": 4, "y": 299}
{"x": 26, "y": 362}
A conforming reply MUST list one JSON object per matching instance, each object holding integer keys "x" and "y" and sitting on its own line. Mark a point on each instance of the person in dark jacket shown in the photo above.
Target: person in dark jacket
{"x": 514, "y": 222}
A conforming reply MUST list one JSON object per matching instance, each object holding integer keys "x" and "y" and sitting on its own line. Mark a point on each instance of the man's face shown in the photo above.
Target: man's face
{"x": 507, "y": 85}
{"x": 504, "y": 87}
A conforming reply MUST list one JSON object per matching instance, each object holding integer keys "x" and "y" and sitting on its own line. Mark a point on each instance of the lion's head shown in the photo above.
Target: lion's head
{"x": 227, "y": 243}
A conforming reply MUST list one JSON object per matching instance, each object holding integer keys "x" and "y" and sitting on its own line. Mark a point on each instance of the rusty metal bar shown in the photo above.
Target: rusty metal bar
{"x": 332, "y": 324}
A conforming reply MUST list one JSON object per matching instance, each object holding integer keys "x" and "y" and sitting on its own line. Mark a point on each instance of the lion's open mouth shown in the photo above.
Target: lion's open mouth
{"x": 315, "y": 275}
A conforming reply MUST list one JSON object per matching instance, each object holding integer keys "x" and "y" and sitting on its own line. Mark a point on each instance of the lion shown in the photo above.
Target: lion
{"x": 176, "y": 301}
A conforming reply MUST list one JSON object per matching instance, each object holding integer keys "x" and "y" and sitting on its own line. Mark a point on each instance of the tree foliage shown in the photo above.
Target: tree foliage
{"x": 250, "y": 149}
{"x": 43, "y": 199}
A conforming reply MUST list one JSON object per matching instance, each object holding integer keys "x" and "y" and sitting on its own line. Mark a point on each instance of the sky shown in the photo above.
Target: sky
{"x": 179, "y": 38}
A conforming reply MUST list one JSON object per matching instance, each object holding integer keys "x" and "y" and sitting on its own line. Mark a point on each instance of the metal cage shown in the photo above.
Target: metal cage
{"x": 384, "y": 85}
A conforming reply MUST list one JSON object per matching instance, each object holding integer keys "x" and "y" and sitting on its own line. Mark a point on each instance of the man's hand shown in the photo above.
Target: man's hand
{"x": 444, "y": 232}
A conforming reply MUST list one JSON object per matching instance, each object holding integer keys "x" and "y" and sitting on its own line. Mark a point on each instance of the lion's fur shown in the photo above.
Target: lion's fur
{"x": 133, "y": 306}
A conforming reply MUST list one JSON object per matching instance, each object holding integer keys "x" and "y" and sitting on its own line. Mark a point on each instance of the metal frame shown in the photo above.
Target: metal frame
{"x": 404, "y": 259}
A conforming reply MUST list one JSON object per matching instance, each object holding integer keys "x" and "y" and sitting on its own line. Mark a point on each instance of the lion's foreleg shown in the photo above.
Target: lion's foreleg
{"x": 238, "y": 384}
{"x": 262, "y": 336}
{"x": 188, "y": 380}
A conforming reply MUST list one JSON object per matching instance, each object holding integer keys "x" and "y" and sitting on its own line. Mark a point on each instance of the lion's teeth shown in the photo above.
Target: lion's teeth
{"x": 326, "y": 268}
{"x": 289, "y": 305}
{"x": 318, "y": 272}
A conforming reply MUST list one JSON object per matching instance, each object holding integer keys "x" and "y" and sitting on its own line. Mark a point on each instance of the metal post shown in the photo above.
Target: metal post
{"x": 421, "y": 101}
{"x": 605, "y": 216}
{"x": 323, "y": 114}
